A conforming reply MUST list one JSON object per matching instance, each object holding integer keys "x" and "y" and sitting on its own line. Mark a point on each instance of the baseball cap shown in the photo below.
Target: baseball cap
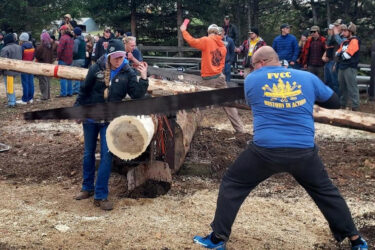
{"x": 338, "y": 22}
{"x": 315, "y": 28}
{"x": 285, "y": 25}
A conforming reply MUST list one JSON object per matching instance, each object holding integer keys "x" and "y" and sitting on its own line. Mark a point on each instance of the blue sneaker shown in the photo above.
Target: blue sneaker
{"x": 362, "y": 246}
{"x": 207, "y": 243}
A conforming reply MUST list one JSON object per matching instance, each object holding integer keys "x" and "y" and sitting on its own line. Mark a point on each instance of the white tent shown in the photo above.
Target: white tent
{"x": 87, "y": 24}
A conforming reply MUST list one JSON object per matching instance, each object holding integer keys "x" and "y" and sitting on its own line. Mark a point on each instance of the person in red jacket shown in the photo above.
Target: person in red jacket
{"x": 65, "y": 57}
{"x": 312, "y": 53}
{"x": 213, "y": 62}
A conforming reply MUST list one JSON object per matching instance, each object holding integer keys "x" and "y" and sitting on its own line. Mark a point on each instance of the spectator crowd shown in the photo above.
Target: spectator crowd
{"x": 333, "y": 56}
{"x": 72, "y": 48}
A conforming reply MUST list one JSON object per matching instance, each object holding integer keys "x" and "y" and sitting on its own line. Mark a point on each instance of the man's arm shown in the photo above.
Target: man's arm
{"x": 193, "y": 42}
{"x": 332, "y": 103}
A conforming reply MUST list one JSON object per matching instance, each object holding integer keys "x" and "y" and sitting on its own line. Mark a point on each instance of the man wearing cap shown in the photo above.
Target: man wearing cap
{"x": 286, "y": 45}
{"x": 110, "y": 79}
{"x": 348, "y": 56}
{"x": 312, "y": 53}
{"x": 65, "y": 57}
{"x": 338, "y": 26}
{"x": 79, "y": 55}
{"x": 249, "y": 47}
{"x": 212, "y": 65}
{"x": 230, "y": 29}
{"x": 69, "y": 22}
{"x": 102, "y": 44}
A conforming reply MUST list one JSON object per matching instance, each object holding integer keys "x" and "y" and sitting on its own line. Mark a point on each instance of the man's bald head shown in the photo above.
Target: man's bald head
{"x": 265, "y": 55}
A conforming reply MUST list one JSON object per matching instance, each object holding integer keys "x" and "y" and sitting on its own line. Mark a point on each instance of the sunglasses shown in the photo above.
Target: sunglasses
{"x": 313, "y": 31}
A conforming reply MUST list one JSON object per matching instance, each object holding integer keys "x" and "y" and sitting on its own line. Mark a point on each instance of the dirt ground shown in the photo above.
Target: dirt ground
{"x": 41, "y": 172}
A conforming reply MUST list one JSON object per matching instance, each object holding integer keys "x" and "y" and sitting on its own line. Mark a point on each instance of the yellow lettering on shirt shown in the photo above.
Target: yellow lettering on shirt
{"x": 277, "y": 75}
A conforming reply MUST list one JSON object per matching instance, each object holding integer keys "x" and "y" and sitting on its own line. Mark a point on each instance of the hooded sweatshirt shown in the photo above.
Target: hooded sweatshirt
{"x": 213, "y": 52}
{"x": 79, "y": 49}
{"x": 28, "y": 51}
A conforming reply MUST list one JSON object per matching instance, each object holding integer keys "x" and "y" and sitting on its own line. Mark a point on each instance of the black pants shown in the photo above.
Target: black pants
{"x": 256, "y": 164}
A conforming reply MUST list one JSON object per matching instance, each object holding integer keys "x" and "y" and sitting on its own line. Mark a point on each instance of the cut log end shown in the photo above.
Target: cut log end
{"x": 129, "y": 136}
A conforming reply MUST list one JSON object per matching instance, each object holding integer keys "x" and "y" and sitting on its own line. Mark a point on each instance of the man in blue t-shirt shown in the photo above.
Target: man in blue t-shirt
{"x": 282, "y": 103}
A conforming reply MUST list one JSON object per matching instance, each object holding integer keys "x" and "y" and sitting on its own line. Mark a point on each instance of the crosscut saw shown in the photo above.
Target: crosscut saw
{"x": 167, "y": 105}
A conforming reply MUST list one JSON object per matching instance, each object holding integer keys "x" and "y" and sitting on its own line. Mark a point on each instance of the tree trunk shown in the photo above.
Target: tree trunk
{"x": 133, "y": 20}
{"x": 180, "y": 39}
{"x": 328, "y": 8}
{"x": 255, "y": 15}
{"x": 249, "y": 14}
{"x": 314, "y": 12}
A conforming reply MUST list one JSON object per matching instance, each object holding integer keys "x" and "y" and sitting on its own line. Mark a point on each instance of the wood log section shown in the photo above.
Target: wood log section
{"x": 129, "y": 136}
{"x": 156, "y": 87}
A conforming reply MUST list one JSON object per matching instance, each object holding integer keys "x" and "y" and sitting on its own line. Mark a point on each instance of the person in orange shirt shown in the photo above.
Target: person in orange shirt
{"x": 212, "y": 65}
{"x": 348, "y": 59}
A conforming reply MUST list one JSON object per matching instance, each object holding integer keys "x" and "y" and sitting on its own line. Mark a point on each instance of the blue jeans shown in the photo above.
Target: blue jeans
{"x": 11, "y": 97}
{"x": 330, "y": 77}
{"x": 91, "y": 131}
{"x": 65, "y": 84}
{"x": 27, "y": 87}
{"x": 77, "y": 84}
{"x": 227, "y": 71}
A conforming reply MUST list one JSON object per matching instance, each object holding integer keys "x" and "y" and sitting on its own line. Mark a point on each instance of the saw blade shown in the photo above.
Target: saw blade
{"x": 147, "y": 106}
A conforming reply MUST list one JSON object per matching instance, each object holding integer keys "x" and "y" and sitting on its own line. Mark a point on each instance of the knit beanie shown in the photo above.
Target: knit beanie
{"x": 9, "y": 38}
{"x": 116, "y": 48}
{"x": 254, "y": 30}
{"x": 46, "y": 39}
{"x": 24, "y": 37}
{"x": 77, "y": 31}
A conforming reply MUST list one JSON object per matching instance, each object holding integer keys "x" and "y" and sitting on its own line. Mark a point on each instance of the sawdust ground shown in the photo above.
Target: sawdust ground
{"x": 38, "y": 211}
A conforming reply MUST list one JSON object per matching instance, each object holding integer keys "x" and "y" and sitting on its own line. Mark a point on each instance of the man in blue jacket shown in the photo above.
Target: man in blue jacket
{"x": 286, "y": 45}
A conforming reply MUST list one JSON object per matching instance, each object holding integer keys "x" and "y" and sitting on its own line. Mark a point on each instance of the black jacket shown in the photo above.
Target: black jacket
{"x": 232, "y": 32}
{"x": 125, "y": 82}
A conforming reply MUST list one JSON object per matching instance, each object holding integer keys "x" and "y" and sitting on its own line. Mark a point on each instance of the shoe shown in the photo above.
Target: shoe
{"x": 21, "y": 102}
{"x": 84, "y": 195}
{"x": 104, "y": 204}
{"x": 355, "y": 109}
{"x": 362, "y": 246}
{"x": 207, "y": 243}
{"x": 31, "y": 101}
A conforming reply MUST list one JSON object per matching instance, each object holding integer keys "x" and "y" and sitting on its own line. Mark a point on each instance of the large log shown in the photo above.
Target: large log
{"x": 156, "y": 86}
{"x": 345, "y": 118}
